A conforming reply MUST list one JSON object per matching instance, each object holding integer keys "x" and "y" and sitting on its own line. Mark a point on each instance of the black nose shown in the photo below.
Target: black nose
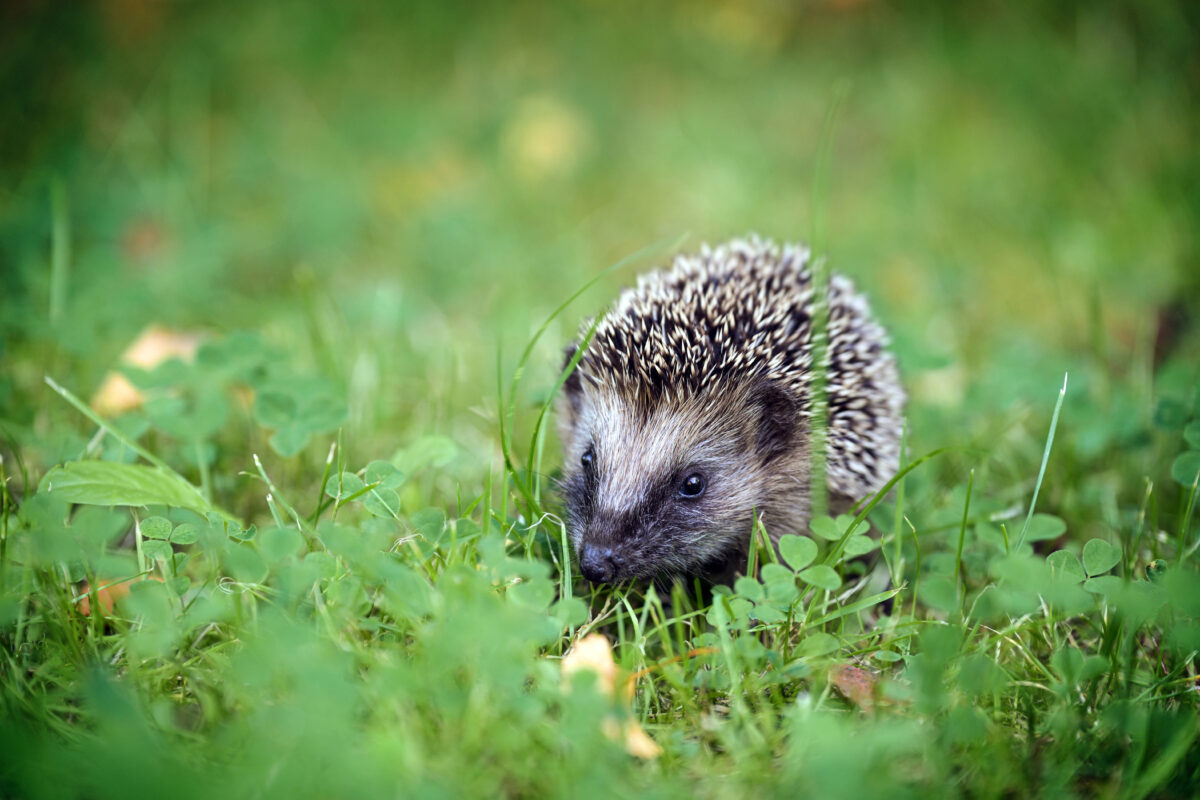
{"x": 598, "y": 564}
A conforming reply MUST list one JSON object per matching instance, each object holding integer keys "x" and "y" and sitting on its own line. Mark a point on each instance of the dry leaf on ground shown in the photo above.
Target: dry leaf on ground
{"x": 153, "y": 346}
{"x": 594, "y": 653}
{"x": 107, "y": 595}
{"x": 856, "y": 684}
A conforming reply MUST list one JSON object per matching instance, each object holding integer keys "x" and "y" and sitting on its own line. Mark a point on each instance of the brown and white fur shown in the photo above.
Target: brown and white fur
{"x": 690, "y": 412}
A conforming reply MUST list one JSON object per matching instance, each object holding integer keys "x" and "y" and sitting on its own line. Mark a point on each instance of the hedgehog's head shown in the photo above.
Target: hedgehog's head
{"x": 670, "y": 484}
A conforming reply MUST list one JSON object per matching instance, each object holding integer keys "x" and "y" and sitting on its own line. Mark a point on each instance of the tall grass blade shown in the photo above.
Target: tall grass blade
{"x": 60, "y": 251}
{"x": 1045, "y": 458}
{"x": 818, "y": 202}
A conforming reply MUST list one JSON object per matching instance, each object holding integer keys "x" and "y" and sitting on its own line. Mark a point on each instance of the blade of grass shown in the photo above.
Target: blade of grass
{"x": 274, "y": 497}
{"x": 534, "y": 471}
{"x": 1186, "y": 524}
{"x": 835, "y": 552}
{"x": 1045, "y": 458}
{"x": 898, "y": 524}
{"x": 962, "y": 535}
{"x": 855, "y": 607}
{"x": 60, "y": 250}
{"x": 818, "y": 202}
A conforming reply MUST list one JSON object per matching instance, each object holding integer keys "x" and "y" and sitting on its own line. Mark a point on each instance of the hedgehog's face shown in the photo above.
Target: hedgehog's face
{"x": 672, "y": 489}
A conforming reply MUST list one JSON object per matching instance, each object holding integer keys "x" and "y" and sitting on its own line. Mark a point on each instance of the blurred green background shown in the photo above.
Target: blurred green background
{"x": 393, "y": 193}
{"x": 388, "y": 200}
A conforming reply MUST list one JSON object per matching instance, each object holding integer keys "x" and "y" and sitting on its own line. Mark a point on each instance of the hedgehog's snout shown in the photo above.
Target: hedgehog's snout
{"x": 599, "y": 564}
{"x": 603, "y": 549}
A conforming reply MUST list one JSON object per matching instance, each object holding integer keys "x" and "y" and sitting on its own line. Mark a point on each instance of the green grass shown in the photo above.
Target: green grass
{"x": 346, "y": 499}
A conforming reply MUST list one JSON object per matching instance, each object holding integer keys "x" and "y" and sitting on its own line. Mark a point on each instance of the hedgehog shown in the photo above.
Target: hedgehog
{"x": 689, "y": 414}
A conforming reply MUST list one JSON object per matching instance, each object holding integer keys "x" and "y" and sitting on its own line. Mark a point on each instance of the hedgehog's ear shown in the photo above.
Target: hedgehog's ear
{"x": 572, "y": 388}
{"x": 778, "y": 419}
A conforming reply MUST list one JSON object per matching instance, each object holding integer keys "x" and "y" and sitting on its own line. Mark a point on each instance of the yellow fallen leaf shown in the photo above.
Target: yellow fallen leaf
{"x": 116, "y": 395}
{"x": 153, "y": 346}
{"x": 856, "y": 684}
{"x": 594, "y": 653}
{"x": 156, "y": 344}
{"x": 638, "y": 742}
{"x": 107, "y": 594}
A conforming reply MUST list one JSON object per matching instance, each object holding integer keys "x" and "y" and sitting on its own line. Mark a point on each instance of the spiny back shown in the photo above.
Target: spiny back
{"x": 742, "y": 312}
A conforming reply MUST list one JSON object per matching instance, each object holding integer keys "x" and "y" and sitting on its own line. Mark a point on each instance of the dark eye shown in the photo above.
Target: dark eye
{"x": 588, "y": 458}
{"x": 692, "y": 486}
